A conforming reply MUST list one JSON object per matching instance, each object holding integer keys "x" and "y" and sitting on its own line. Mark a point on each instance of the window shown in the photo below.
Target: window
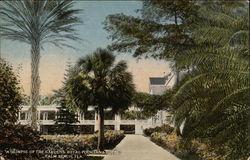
{"x": 128, "y": 129}
{"x": 24, "y": 115}
{"x": 87, "y": 129}
{"x": 47, "y": 115}
{"x": 109, "y": 127}
{"x": 51, "y": 115}
{"x": 89, "y": 115}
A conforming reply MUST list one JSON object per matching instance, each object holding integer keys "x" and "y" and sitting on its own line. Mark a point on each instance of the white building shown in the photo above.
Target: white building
{"x": 88, "y": 121}
{"x": 47, "y": 115}
{"x": 157, "y": 86}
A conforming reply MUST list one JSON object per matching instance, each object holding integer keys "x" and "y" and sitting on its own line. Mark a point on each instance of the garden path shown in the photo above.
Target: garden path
{"x": 138, "y": 147}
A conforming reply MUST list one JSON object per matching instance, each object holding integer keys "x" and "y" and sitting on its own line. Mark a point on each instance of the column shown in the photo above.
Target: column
{"x": 39, "y": 121}
{"x": 117, "y": 122}
{"x": 96, "y": 122}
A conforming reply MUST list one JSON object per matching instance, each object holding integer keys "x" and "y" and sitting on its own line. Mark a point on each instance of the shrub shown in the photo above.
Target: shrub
{"x": 18, "y": 137}
{"x": 160, "y": 129}
{"x": 185, "y": 149}
{"x": 131, "y": 115}
{"x": 112, "y": 138}
{"x": 84, "y": 142}
{"x": 10, "y": 97}
{"x": 169, "y": 141}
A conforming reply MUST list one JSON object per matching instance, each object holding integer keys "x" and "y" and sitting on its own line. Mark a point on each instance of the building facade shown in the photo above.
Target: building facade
{"x": 88, "y": 123}
{"x": 157, "y": 86}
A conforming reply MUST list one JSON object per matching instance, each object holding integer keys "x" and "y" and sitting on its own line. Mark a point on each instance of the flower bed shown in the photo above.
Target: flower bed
{"x": 184, "y": 149}
{"x": 27, "y": 143}
{"x": 85, "y": 142}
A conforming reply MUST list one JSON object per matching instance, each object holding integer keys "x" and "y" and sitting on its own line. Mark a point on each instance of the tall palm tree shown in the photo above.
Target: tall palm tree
{"x": 96, "y": 81}
{"x": 37, "y": 22}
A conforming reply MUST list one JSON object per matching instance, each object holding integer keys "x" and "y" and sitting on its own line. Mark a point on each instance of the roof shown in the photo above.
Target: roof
{"x": 157, "y": 80}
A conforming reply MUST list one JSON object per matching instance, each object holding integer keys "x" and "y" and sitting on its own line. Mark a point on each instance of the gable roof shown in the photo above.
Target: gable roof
{"x": 157, "y": 80}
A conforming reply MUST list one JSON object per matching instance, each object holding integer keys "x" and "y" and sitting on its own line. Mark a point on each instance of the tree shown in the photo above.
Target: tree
{"x": 96, "y": 81}
{"x": 10, "y": 95}
{"x": 162, "y": 32}
{"x": 149, "y": 104}
{"x": 45, "y": 100}
{"x": 38, "y": 22}
{"x": 212, "y": 100}
{"x": 64, "y": 116}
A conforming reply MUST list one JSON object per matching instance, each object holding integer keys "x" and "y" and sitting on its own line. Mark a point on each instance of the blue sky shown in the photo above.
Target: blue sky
{"x": 53, "y": 59}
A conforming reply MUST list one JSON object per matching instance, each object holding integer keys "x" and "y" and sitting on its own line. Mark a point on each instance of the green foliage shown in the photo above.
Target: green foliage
{"x": 84, "y": 142}
{"x": 131, "y": 115}
{"x": 43, "y": 100}
{"x": 212, "y": 100}
{"x": 46, "y": 100}
{"x": 96, "y": 81}
{"x": 168, "y": 141}
{"x": 209, "y": 40}
{"x": 17, "y": 137}
{"x": 167, "y": 129}
{"x": 39, "y": 21}
{"x": 185, "y": 149}
{"x": 160, "y": 33}
{"x": 10, "y": 96}
{"x": 64, "y": 116}
{"x": 36, "y": 23}
{"x": 149, "y": 104}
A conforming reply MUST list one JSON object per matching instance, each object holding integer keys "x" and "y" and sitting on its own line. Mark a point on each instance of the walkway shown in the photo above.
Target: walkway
{"x": 138, "y": 147}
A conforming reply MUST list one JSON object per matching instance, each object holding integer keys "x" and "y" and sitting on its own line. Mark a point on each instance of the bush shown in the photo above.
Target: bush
{"x": 10, "y": 97}
{"x": 185, "y": 149}
{"x": 18, "y": 137}
{"x": 169, "y": 141}
{"x": 160, "y": 129}
{"x": 131, "y": 115}
{"x": 84, "y": 142}
{"x": 112, "y": 138}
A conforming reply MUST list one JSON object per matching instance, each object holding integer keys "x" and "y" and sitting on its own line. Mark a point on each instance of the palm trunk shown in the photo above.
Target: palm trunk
{"x": 177, "y": 72}
{"x": 35, "y": 83}
{"x": 101, "y": 139}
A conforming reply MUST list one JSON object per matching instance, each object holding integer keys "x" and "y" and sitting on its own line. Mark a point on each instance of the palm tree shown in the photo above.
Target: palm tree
{"x": 37, "y": 22}
{"x": 96, "y": 81}
{"x": 212, "y": 100}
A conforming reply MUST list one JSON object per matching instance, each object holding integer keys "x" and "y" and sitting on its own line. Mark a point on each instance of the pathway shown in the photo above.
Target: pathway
{"x": 138, "y": 147}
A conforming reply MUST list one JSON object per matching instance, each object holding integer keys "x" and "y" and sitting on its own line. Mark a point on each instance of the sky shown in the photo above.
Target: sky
{"x": 54, "y": 60}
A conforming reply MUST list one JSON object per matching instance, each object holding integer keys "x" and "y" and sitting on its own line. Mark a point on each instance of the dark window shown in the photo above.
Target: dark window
{"x": 109, "y": 127}
{"x": 47, "y": 129}
{"x": 87, "y": 129}
{"x": 128, "y": 129}
{"x": 89, "y": 115}
{"x": 23, "y": 115}
{"x": 51, "y": 115}
{"x": 47, "y": 115}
